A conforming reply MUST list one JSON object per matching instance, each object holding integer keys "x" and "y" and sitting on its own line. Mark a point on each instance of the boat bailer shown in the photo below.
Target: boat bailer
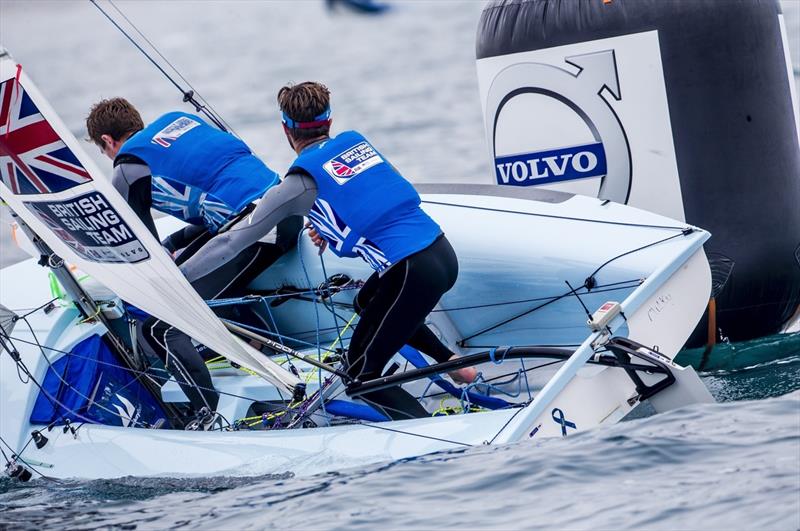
{"x": 571, "y": 307}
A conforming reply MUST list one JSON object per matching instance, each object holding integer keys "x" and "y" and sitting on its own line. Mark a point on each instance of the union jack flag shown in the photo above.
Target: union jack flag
{"x": 189, "y": 203}
{"x": 341, "y": 237}
{"x": 328, "y": 224}
{"x": 59, "y": 230}
{"x": 33, "y": 158}
{"x": 342, "y": 170}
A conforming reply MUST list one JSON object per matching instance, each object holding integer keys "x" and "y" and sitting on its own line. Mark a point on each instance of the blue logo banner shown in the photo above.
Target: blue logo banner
{"x": 541, "y": 167}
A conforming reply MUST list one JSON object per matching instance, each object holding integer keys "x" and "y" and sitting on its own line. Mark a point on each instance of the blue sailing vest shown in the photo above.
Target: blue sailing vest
{"x": 200, "y": 174}
{"x": 364, "y": 206}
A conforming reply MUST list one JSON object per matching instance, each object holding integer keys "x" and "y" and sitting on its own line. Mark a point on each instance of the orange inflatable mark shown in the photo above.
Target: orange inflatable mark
{"x": 606, "y": 2}
{"x": 711, "y": 339}
{"x": 14, "y": 228}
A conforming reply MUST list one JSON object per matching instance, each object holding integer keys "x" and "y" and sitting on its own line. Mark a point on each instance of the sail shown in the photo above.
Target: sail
{"x": 7, "y": 320}
{"x": 50, "y": 182}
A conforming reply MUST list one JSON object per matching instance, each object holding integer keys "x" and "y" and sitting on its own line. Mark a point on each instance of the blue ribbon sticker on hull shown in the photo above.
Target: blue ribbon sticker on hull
{"x": 92, "y": 228}
{"x": 558, "y": 417}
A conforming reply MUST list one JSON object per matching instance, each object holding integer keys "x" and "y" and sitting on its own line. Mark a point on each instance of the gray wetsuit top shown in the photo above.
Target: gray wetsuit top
{"x": 295, "y": 195}
{"x": 131, "y": 178}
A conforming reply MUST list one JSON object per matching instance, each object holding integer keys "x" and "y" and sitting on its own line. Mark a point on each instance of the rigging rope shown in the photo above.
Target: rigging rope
{"x": 588, "y": 284}
{"x": 553, "y": 216}
{"x": 64, "y": 382}
{"x": 188, "y": 95}
{"x": 613, "y": 286}
{"x": 45, "y": 305}
{"x": 162, "y": 379}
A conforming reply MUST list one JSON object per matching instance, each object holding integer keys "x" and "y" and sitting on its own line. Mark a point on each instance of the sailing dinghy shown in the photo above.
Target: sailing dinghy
{"x": 571, "y": 307}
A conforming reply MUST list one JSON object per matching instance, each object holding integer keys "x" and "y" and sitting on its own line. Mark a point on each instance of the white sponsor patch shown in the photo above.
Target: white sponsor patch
{"x": 173, "y": 131}
{"x": 350, "y": 163}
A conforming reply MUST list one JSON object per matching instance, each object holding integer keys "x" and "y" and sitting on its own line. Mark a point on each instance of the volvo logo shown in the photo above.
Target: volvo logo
{"x": 606, "y": 156}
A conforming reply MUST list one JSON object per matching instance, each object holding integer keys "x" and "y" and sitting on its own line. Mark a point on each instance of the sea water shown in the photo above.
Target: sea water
{"x": 408, "y": 81}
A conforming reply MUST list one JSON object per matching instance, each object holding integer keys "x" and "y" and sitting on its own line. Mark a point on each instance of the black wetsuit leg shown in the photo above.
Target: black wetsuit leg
{"x": 184, "y": 361}
{"x": 175, "y": 348}
{"x": 392, "y": 310}
{"x": 423, "y": 339}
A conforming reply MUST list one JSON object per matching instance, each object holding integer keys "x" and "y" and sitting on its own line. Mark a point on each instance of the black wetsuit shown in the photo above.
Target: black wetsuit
{"x": 227, "y": 279}
{"x": 392, "y": 308}
{"x": 393, "y": 304}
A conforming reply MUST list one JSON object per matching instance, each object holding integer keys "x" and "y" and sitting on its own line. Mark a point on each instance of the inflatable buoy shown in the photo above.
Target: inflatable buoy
{"x": 360, "y": 6}
{"x": 681, "y": 108}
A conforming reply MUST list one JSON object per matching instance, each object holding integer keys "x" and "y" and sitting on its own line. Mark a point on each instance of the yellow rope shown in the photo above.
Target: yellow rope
{"x": 330, "y": 350}
{"x": 257, "y": 419}
{"x": 93, "y": 316}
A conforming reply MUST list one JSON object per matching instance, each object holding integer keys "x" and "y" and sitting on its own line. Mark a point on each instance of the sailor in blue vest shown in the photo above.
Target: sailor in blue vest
{"x": 181, "y": 166}
{"x": 360, "y": 206}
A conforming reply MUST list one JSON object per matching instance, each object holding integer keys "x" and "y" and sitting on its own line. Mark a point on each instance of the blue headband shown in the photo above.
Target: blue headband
{"x": 319, "y": 120}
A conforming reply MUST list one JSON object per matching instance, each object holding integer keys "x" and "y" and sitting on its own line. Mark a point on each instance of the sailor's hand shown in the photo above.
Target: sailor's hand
{"x": 318, "y": 240}
{"x": 464, "y": 375}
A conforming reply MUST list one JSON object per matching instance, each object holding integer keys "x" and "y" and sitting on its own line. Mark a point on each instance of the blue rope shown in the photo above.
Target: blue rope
{"x": 316, "y": 313}
{"x": 525, "y": 373}
{"x": 415, "y": 358}
{"x": 467, "y": 397}
{"x": 272, "y": 320}
{"x": 493, "y": 351}
{"x": 331, "y": 309}
{"x": 308, "y": 280}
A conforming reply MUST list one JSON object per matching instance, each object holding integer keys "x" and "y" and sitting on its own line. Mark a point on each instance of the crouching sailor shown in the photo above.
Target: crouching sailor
{"x": 360, "y": 205}
{"x": 182, "y": 166}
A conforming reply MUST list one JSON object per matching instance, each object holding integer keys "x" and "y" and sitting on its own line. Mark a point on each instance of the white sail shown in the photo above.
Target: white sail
{"x": 50, "y": 182}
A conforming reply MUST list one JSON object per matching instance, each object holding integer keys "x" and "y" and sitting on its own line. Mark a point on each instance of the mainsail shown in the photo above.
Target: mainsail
{"x": 50, "y": 182}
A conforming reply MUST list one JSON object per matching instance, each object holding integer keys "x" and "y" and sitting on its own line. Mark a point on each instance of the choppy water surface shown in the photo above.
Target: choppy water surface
{"x": 408, "y": 80}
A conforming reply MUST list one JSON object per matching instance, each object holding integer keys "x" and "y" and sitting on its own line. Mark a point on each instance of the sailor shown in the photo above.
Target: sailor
{"x": 359, "y": 206}
{"x": 183, "y": 167}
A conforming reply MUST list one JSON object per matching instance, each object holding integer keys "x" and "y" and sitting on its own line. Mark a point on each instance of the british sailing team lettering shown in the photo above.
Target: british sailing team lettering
{"x": 94, "y": 217}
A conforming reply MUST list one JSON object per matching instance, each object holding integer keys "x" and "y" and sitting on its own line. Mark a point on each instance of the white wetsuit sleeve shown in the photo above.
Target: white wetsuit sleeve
{"x": 293, "y": 196}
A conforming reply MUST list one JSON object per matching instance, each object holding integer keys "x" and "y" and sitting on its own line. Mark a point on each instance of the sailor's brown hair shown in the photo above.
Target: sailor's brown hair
{"x": 302, "y": 103}
{"x": 115, "y": 117}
